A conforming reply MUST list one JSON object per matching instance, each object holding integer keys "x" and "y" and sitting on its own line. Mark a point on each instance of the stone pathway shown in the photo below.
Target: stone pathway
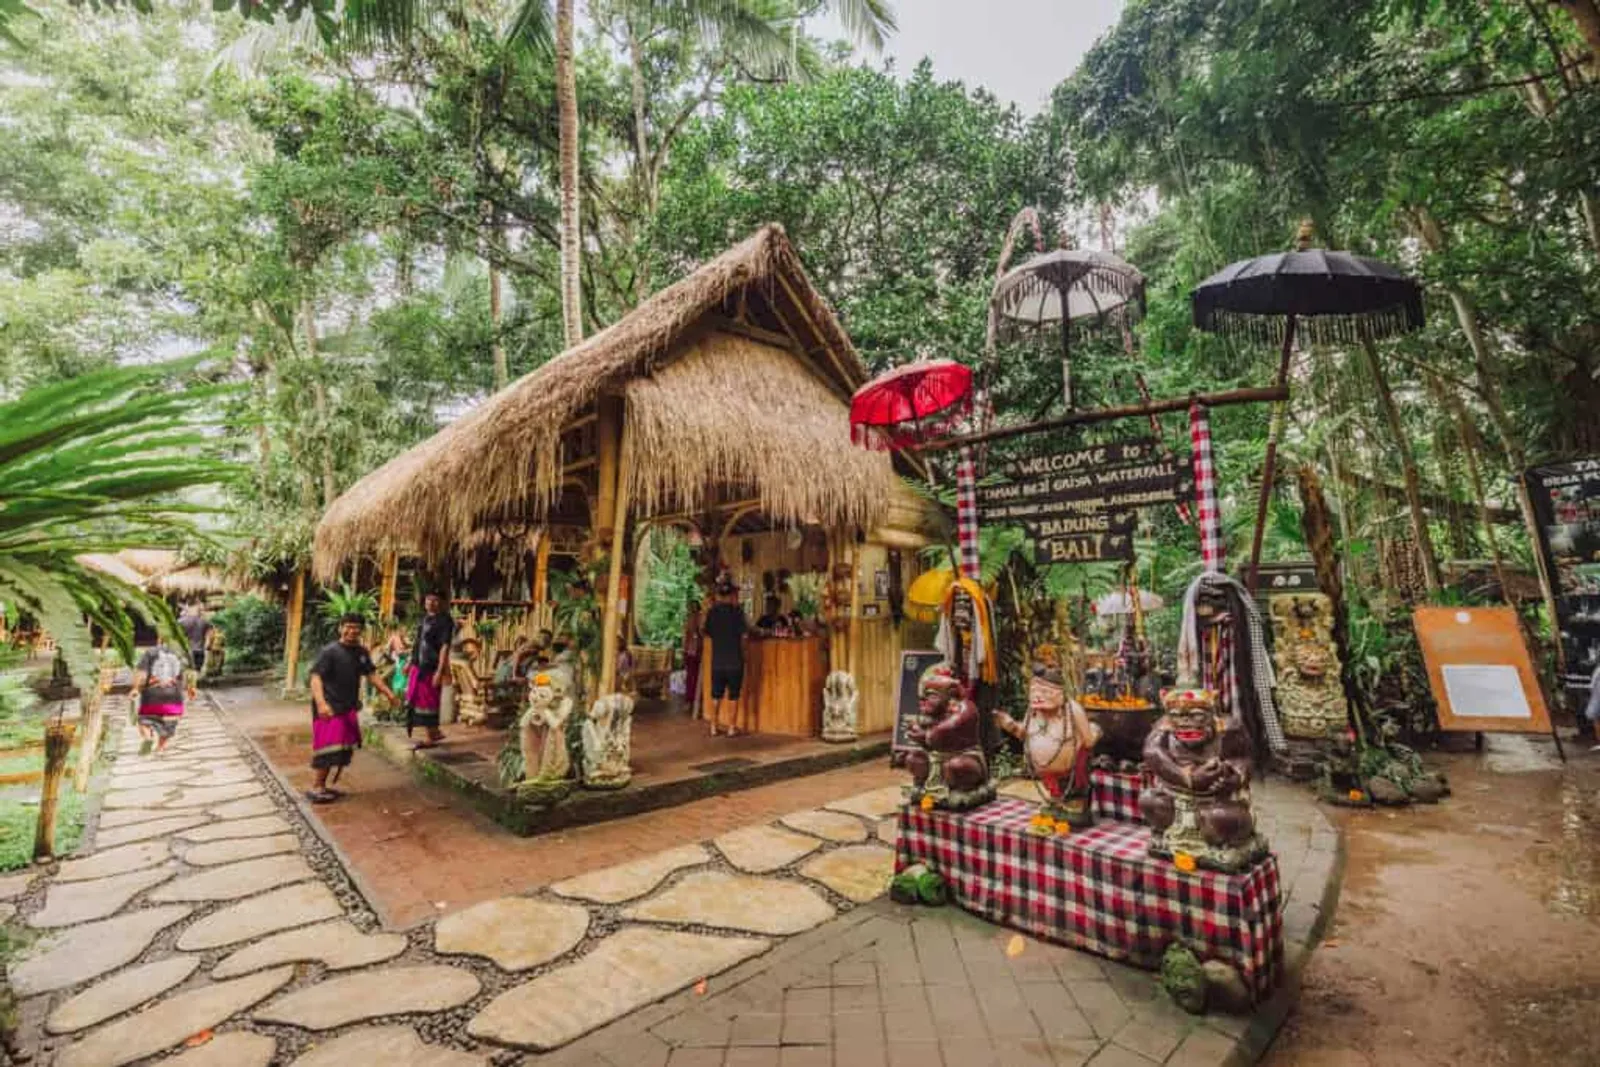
{"x": 206, "y": 922}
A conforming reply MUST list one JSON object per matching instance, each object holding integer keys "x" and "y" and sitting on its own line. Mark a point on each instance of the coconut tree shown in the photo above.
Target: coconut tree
{"x": 96, "y": 464}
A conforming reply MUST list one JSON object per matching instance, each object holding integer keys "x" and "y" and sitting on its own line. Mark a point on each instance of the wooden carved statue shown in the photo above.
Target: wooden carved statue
{"x": 839, "y": 702}
{"x": 608, "y": 742}
{"x": 544, "y": 727}
{"x": 948, "y": 767}
{"x": 1311, "y": 700}
{"x": 1058, "y": 740}
{"x": 1197, "y": 801}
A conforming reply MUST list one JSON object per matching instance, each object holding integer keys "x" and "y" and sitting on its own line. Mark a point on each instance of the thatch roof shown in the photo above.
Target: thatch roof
{"x": 112, "y": 567}
{"x": 159, "y": 570}
{"x": 504, "y": 457}
{"x": 198, "y": 581}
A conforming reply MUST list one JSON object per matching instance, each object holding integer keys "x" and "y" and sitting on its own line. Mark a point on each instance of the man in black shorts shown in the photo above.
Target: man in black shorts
{"x": 726, "y": 626}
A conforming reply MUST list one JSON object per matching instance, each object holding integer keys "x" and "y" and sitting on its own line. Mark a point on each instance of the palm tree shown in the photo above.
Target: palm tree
{"x": 99, "y": 463}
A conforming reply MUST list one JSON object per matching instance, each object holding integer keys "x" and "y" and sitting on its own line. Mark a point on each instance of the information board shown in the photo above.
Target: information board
{"x": 1566, "y": 502}
{"x": 1480, "y": 671}
{"x": 913, "y": 665}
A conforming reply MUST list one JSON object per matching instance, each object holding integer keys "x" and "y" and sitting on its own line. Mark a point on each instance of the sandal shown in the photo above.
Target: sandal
{"x": 418, "y": 746}
{"x": 321, "y": 796}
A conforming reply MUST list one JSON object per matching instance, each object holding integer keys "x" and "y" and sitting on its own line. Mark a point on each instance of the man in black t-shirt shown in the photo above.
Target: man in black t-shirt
{"x": 726, "y": 626}
{"x": 429, "y": 672}
{"x": 336, "y": 703}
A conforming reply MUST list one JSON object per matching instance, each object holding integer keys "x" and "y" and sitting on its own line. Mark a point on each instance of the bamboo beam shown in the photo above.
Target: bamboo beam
{"x": 855, "y": 603}
{"x": 387, "y": 583}
{"x": 845, "y": 376}
{"x": 291, "y": 637}
{"x": 541, "y": 569}
{"x": 1132, "y": 411}
{"x": 607, "y": 444}
{"x": 619, "y": 539}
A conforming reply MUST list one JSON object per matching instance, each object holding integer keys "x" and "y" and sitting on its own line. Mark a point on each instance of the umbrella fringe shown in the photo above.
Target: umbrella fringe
{"x": 1129, "y": 315}
{"x": 1130, "y": 287}
{"x": 1315, "y": 329}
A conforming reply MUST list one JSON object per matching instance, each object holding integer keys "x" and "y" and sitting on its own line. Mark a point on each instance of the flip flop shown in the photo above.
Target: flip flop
{"x": 324, "y": 796}
{"x": 418, "y": 746}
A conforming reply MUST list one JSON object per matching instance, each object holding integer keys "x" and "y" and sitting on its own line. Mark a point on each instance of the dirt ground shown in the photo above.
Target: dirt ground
{"x": 1467, "y": 933}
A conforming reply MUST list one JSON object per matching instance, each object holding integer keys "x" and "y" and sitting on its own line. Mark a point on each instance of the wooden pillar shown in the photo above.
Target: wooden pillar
{"x": 608, "y": 443}
{"x": 611, "y": 619}
{"x": 57, "y": 743}
{"x": 92, "y": 717}
{"x": 387, "y": 582}
{"x": 291, "y": 637}
{"x": 541, "y": 568}
{"x": 855, "y": 605}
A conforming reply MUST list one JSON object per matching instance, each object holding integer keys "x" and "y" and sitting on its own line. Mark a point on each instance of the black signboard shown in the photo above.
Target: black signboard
{"x": 913, "y": 665}
{"x": 1566, "y": 501}
{"x": 1117, "y": 454}
{"x": 1034, "y": 510}
{"x": 1088, "y": 484}
{"x": 1084, "y": 522}
{"x": 1082, "y": 548}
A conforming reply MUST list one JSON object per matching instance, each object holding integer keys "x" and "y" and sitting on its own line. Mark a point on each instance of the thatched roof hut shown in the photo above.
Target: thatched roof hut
{"x": 735, "y": 380}
{"x": 160, "y": 570}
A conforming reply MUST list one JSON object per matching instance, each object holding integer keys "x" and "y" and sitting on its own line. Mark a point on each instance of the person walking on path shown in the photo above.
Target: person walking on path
{"x": 197, "y": 628}
{"x": 692, "y": 643}
{"x": 429, "y": 671}
{"x": 726, "y": 626}
{"x": 159, "y": 688}
{"x": 336, "y": 704}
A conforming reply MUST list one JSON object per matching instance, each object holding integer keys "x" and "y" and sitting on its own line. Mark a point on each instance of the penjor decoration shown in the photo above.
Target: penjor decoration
{"x": 948, "y": 767}
{"x": 1058, "y": 740}
{"x": 1197, "y": 804}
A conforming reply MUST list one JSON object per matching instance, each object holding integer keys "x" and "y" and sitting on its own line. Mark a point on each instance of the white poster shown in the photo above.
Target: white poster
{"x": 1485, "y": 692}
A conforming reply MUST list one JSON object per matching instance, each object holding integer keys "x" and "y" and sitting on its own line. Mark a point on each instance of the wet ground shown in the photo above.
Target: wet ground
{"x": 1467, "y": 933}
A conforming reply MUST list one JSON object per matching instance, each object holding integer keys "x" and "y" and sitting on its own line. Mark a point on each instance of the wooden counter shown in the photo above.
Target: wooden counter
{"x": 783, "y": 679}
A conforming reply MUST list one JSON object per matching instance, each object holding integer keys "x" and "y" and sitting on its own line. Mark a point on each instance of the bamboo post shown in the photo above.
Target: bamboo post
{"x": 541, "y": 569}
{"x": 1269, "y": 467}
{"x": 291, "y": 637}
{"x": 387, "y": 584}
{"x": 610, "y": 623}
{"x": 92, "y": 704}
{"x": 855, "y": 606}
{"x": 57, "y": 743}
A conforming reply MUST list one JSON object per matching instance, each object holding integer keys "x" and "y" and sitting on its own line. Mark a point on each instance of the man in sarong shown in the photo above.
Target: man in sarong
{"x": 336, "y": 704}
{"x": 159, "y": 688}
{"x": 429, "y": 672}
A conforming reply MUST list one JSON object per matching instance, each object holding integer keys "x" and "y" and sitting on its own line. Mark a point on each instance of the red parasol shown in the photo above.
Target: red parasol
{"x": 910, "y": 404}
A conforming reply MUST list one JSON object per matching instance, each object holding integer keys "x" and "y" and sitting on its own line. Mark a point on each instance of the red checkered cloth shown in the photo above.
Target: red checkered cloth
{"x": 967, "y": 512}
{"x": 1207, "y": 515}
{"x": 1114, "y": 796}
{"x": 1098, "y": 889}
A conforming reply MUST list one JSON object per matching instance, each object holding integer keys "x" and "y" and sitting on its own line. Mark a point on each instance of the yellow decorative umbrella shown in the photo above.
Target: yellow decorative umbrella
{"x": 927, "y": 594}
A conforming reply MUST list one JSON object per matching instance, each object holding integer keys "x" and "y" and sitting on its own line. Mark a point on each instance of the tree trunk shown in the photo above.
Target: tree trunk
{"x": 1408, "y": 466}
{"x": 1586, "y": 13}
{"x": 502, "y": 369}
{"x": 319, "y": 403}
{"x": 644, "y": 171}
{"x": 1467, "y": 434}
{"x": 571, "y": 236}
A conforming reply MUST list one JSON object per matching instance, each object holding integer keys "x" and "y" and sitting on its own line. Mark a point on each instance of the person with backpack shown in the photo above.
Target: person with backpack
{"x": 160, "y": 686}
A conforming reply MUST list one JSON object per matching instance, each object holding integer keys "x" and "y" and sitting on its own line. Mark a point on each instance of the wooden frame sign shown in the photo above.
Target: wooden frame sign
{"x": 1480, "y": 672}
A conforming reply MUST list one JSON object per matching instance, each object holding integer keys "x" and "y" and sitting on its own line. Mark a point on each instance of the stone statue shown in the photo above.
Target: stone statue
{"x": 948, "y": 768}
{"x": 1311, "y": 700}
{"x": 607, "y": 742}
{"x": 839, "y": 700}
{"x": 1197, "y": 802}
{"x": 1058, "y": 740}
{"x": 544, "y": 727}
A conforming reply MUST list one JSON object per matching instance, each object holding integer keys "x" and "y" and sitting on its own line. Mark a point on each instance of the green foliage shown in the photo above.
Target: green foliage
{"x": 670, "y": 579}
{"x": 807, "y": 590}
{"x": 344, "y": 600}
{"x": 253, "y": 629}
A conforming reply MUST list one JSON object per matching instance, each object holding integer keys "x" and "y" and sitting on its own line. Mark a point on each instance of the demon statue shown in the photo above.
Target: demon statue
{"x": 948, "y": 766}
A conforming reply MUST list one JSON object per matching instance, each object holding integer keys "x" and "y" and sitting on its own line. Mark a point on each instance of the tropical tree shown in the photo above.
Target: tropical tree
{"x": 109, "y": 460}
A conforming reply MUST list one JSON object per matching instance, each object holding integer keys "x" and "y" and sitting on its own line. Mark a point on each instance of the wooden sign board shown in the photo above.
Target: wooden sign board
{"x": 1082, "y": 548}
{"x": 1089, "y": 522}
{"x": 1116, "y": 454}
{"x": 1480, "y": 671}
{"x": 913, "y": 665}
{"x": 1038, "y": 509}
{"x": 1091, "y": 484}
{"x": 1566, "y": 502}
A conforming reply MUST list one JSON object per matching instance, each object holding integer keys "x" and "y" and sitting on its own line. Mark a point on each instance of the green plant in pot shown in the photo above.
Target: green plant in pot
{"x": 806, "y": 591}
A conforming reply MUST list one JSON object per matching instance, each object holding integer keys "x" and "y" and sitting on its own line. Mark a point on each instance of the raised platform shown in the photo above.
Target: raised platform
{"x": 674, "y": 762}
{"x": 1098, "y": 889}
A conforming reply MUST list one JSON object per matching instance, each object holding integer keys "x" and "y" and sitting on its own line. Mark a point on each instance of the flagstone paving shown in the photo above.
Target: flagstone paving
{"x": 856, "y": 872}
{"x": 515, "y": 932}
{"x": 736, "y": 902}
{"x": 760, "y": 849}
{"x": 71, "y": 903}
{"x": 391, "y": 1046}
{"x": 335, "y": 944}
{"x": 828, "y": 825}
{"x": 629, "y": 880}
{"x": 374, "y": 994}
{"x": 628, "y": 970}
{"x": 170, "y": 1021}
{"x": 234, "y": 849}
{"x": 122, "y": 860}
{"x": 124, "y": 990}
{"x": 780, "y": 928}
{"x": 282, "y": 909}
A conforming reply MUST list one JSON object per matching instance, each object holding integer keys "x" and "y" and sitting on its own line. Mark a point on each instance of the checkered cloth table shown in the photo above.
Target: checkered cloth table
{"x": 1114, "y": 796}
{"x": 1098, "y": 889}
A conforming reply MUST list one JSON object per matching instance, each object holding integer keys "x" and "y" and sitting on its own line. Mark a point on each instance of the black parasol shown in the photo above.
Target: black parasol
{"x": 1331, "y": 297}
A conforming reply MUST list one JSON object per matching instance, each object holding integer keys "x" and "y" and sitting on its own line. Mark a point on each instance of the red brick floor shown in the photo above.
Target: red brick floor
{"x": 419, "y": 851}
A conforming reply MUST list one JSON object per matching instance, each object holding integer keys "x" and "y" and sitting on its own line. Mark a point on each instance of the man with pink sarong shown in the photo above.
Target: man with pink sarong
{"x": 429, "y": 670}
{"x": 159, "y": 689}
{"x": 336, "y": 704}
